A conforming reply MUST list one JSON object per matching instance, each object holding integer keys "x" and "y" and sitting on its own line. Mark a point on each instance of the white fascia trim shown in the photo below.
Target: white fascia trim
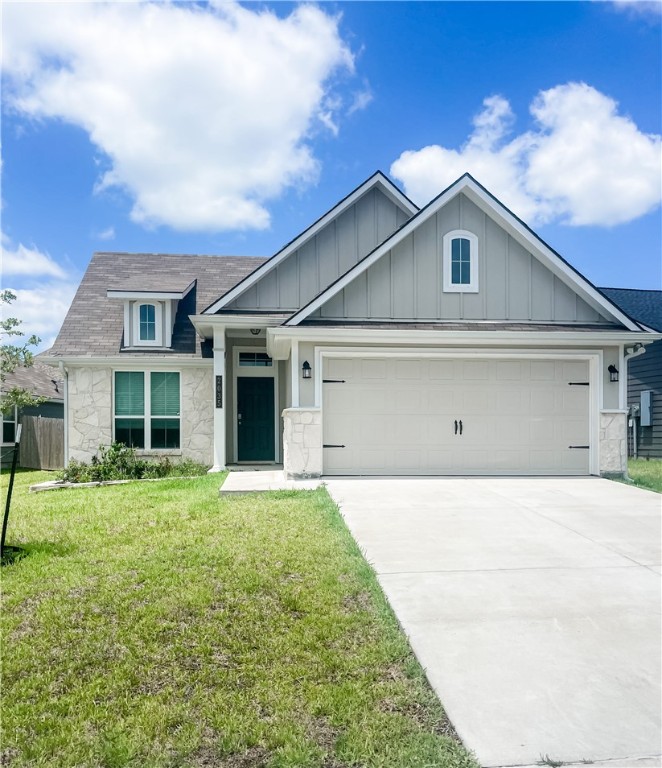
{"x": 205, "y": 324}
{"x": 467, "y": 338}
{"x": 131, "y": 363}
{"x": 516, "y": 228}
{"x": 377, "y": 179}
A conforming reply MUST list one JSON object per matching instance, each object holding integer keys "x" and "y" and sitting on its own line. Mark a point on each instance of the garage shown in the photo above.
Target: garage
{"x": 387, "y": 415}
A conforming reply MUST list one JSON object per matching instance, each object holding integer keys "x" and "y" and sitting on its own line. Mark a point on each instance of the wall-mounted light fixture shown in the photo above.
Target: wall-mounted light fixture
{"x": 613, "y": 373}
{"x": 255, "y": 331}
{"x": 306, "y": 370}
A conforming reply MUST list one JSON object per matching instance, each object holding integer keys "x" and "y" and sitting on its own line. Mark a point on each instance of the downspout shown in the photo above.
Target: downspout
{"x": 65, "y": 376}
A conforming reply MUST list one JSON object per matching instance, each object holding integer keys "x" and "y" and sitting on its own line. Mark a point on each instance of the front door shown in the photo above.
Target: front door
{"x": 255, "y": 418}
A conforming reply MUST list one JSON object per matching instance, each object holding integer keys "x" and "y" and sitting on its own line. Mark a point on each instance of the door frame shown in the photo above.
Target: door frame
{"x": 261, "y": 372}
{"x": 594, "y": 357}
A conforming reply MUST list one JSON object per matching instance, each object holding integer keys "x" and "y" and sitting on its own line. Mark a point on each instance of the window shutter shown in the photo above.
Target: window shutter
{"x": 165, "y": 394}
{"x": 129, "y": 393}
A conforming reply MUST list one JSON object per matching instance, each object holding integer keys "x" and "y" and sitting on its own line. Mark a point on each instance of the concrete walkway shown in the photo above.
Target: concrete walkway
{"x": 249, "y": 481}
{"x": 533, "y": 604}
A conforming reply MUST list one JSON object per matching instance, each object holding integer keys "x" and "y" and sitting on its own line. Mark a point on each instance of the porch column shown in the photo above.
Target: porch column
{"x": 219, "y": 394}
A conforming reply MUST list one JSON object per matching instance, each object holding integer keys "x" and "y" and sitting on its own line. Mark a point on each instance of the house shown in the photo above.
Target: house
{"x": 45, "y": 449}
{"x": 383, "y": 339}
{"x": 39, "y": 380}
{"x": 644, "y": 373}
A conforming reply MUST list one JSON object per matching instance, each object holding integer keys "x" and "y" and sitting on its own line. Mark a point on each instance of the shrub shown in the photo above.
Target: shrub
{"x": 119, "y": 462}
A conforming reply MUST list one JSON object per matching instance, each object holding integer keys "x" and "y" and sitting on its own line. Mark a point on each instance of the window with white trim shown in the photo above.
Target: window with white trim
{"x": 148, "y": 409}
{"x": 147, "y": 314}
{"x": 460, "y": 262}
{"x": 147, "y": 324}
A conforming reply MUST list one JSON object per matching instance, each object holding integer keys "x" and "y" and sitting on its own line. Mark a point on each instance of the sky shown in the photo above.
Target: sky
{"x": 227, "y": 128}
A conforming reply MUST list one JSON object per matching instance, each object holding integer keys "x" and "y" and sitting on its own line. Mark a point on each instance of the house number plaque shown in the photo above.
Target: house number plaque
{"x": 219, "y": 391}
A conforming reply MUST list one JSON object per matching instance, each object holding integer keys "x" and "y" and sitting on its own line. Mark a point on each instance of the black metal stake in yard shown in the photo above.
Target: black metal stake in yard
{"x": 9, "y": 490}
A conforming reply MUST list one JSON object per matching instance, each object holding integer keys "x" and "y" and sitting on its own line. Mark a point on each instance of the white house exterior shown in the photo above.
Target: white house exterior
{"x": 382, "y": 340}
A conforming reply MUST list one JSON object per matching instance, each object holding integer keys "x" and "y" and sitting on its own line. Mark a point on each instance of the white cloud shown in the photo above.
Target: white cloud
{"x": 41, "y": 309}
{"x": 640, "y": 7}
{"x": 21, "y": 260}
{"x": 582, "y": 164}
{"x": 43, "y": 290}
{"x": 205, "y": 113}
{"x": 107, "y": 234}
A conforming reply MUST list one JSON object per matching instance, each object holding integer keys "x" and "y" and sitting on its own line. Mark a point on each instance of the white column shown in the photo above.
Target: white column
{"x": 294, "y": 373}
{"x": 219, "y": 399}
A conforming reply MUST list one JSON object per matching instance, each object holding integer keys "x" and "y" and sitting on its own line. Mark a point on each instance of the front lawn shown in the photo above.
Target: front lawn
{"x": 647, "y": 473}
{"x": 155, "y": 625}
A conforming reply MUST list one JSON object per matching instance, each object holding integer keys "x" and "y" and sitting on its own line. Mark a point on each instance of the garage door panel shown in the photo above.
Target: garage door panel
{"x": 397, "y": 416}
{"x": 475, "y": 370}
{"x": 373, "y": 369}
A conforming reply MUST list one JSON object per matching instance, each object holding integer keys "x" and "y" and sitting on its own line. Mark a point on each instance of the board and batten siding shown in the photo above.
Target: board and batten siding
{"x": 645, "y": 372}
{"x": 406, "y": 282}
{"x": 324, "y": 257}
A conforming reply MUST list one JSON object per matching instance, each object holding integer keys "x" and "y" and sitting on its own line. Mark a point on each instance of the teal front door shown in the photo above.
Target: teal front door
{"x": 255, "y": 418}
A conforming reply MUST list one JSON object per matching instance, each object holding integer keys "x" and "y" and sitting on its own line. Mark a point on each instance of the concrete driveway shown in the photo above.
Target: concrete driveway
{"x": 532, "y": 603}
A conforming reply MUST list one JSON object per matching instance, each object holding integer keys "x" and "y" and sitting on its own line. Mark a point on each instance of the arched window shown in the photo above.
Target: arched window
{"x": 460, "y": 262}
{"x": 147, "y": 313}
{"x": 146, "y": 324}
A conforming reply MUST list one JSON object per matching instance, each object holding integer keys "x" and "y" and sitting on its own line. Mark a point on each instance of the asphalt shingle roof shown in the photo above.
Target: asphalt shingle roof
{"x": 644, "y": 306}
{"x": 38, "y": 379}
{"x": 94, "y": 324}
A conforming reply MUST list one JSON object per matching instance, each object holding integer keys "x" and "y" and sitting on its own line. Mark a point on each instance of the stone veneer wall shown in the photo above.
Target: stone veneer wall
{"x": 302, "y": 442}
{"x": 90, "y": 413}
{"x": 613, "y": 443}
{"x": 198, "y": 414}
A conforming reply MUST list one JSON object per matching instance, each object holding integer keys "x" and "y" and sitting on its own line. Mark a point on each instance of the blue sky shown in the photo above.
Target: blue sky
{"x": 227, "y": 129}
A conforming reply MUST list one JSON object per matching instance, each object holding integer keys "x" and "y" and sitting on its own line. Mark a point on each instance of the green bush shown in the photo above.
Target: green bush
{"x": 119, "y": 462}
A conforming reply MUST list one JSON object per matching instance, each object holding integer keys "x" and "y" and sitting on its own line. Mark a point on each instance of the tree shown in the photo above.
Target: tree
{"x": 14, "y": 356}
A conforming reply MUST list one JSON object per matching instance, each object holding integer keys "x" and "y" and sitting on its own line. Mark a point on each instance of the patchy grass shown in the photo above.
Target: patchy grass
{"x": 646, "y": 473}
{"x": 155, "y": 625}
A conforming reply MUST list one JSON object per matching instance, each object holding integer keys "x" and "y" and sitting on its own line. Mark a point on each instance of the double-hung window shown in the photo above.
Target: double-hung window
{"x": 147, "y": 322}
{"x": 147, "y": 409}
{"x": 460, "y": 262}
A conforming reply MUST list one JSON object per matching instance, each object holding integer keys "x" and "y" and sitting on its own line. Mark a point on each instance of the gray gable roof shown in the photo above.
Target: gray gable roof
{"x": 94, "y": 324}
{"x": 38, "y": 379}
{"x": 644, "y": 306}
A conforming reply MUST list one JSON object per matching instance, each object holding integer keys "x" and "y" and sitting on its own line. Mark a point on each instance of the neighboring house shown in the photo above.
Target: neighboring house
{"x": 41, "y": 440}
{"x": 39, "y": 380}
{"x": 383, "y": 339}
{"x": 644, "y": 372}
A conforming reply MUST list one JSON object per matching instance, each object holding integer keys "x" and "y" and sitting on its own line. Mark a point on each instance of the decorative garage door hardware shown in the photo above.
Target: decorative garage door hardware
{"x": 578, "y": 383}
{"x": 579, "y": 446}
{"x": 456, "y": 424}
{"x": 331, "y": 445}
{"x": 333, "y": 381}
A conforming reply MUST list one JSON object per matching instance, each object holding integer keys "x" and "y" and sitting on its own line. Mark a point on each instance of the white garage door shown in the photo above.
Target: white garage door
{"x": 440, "y": 416}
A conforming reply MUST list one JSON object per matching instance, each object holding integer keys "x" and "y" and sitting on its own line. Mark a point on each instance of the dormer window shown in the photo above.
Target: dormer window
{"x": 460, "y": 262}
{"x": 149, "y": 315}
{"x": 147, "y": 323}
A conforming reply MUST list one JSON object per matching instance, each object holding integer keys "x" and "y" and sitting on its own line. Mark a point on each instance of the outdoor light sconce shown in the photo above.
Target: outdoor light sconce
{"x": 613, "y": 373}
{"x": 306, "y": 370}
{"x": 255, "y": 331}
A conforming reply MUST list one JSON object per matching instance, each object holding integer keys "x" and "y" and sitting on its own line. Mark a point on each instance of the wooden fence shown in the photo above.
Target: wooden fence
{"x": 42, "y": 443}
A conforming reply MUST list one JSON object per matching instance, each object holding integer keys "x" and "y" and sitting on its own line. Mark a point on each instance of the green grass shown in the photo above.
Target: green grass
{"x": 646, "y": 473}
{"x": 155, "y": 625}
